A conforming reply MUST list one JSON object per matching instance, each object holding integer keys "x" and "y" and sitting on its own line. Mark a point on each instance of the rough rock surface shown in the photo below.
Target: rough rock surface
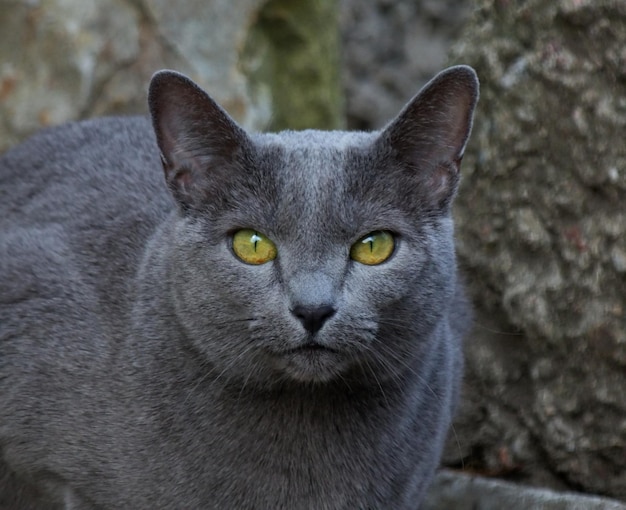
{"x": 390, "y": 49}
{"x": 541, "y": 219}
{"x": 67, "y": 59}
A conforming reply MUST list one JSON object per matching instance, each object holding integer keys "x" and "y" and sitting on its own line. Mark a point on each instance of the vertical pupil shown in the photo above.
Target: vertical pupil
{"x": 255, "y": 239}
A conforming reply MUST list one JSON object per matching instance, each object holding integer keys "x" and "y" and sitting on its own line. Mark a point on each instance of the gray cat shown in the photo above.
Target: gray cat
{"x": 277, "y": 327}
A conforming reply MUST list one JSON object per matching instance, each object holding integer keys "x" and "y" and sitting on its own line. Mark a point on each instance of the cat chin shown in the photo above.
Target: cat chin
{"x": 312, "y": 365}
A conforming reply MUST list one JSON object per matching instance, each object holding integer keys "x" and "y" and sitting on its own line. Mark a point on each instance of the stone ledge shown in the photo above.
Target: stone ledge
{"x": 460, "y": 491}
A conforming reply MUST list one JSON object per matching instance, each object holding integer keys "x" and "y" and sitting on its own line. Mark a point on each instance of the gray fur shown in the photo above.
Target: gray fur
{"x": 143, "y": 366}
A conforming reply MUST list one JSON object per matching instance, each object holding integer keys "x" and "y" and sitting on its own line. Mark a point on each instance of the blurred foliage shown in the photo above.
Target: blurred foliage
{"x": 292, "y": 55}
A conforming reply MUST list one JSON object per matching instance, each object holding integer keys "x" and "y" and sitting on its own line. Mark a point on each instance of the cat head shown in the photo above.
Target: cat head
{"x": 312, "y": 255}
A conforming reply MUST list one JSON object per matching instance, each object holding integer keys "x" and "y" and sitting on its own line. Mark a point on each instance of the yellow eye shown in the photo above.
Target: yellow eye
{"x": 374, "y": 248}
{"x": 253, "y": 247}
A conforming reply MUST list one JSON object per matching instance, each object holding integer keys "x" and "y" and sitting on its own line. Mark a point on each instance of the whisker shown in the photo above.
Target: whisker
{"x": 235, "y": 360}
{"x": 394, "y": 321}
{"x": 235, "y": 321}
{"x": 497, "y": 331}
{"x": 244, "y": 385}
{"x": 380, "y": 386}
{"x": 438, "y": 398}
{"x": 209, "y": 373}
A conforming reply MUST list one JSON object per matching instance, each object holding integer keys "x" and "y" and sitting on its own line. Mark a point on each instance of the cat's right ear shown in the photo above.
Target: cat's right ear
{"x": 199, "y": 141}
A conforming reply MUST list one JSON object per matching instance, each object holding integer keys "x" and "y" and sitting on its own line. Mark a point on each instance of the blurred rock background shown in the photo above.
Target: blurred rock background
{"x": 541, "y": 213}
{"x": 541, "y": 221}
{"x": 68, "y": 59}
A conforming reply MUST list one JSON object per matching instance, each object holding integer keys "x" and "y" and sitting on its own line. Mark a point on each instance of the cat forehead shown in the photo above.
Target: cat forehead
{"x": 310, "y": 157}
{"x": 306, "y": 178}
{"x": 313, "y": 141}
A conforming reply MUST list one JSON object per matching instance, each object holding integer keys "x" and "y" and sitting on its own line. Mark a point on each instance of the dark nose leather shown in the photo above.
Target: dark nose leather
{"x": 313, "y": 317}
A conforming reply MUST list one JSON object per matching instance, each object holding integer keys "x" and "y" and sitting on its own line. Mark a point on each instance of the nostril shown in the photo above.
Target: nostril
{"x": 313, "y": 317}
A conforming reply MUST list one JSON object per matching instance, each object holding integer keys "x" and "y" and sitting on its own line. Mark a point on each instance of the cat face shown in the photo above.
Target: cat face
{"x": 312, "y": 256}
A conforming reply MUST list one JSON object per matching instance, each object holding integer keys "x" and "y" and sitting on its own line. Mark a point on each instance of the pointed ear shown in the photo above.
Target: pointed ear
{"x": 197, "y": 138}
{"x": 429, "y": 135}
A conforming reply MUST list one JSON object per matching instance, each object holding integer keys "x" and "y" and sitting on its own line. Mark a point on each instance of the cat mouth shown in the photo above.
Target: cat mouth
{"x": 312, "y": 347}
{"x": 311, "y": 362}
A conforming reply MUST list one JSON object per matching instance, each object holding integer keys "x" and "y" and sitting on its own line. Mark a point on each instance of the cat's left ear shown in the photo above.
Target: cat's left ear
{"x": 199, "y": 142}
{"x": 429, "y": 136}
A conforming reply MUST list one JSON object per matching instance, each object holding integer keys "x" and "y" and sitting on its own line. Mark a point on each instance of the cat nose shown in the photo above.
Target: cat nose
{"x": 313, "y": 317}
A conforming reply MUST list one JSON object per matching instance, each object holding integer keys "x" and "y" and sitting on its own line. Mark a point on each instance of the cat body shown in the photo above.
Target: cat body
{"x": 145, "y": 365}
